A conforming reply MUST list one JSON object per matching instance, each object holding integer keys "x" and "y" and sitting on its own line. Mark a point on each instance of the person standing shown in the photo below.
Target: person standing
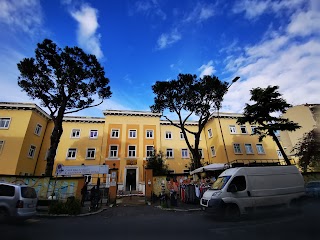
{"x": 84, "y": 193}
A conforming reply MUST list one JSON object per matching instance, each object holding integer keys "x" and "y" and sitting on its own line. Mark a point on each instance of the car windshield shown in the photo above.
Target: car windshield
{"x": 220, "y": 183}
{"x": 28, "y": 192}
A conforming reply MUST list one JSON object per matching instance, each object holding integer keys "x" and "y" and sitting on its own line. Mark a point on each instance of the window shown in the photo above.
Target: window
{"x": 243, "y": 129}
{"x": 253, "y": 128}
{"x": 232, "y": 129}
{"x": 181, "y": 136}
{"x": 184, "y": 153}
{"x": 115, "y": 133}
{"x": 47, "y": 155}
{"x": 37, "y": 130}
{"x": 169, "y": 153}
{"x": 260, "y": 149}
{"x": 133, "y": 133}
{"x": 4, "y": 123}
{"x": 249, "y": 149}
{"x": 72, "y": 152}
{"x": 213, "y": 151}
{"x": 149, "y": 151}
{"x": 1, "y": 145}
{"x": 237, "y": 148}
{"x": 210, "y": 133}
{"x": 278, "y": 152}
{"x": 240, "y": 182}
{"x": 201, "y": 153}
{"x": 7, "y": 191}
{"x": 87, "y": 178}
{"x": 32, "y": 151}
{"x": 93, "y": 133}
{"x": 168, "y": 135}
{"x": 149, "y": 134}
{"x": 75, "y": 133}
{"x": 91, "y": 153}
{"x": 132, "y": 151}
{"x": 113, "y": 153}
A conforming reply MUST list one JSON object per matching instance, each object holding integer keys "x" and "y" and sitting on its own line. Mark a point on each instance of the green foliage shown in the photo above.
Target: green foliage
{"x": 65, "y": 81}
{"x": 71, "y": 207}
{"x": 188, "y": 95}
{"x": 156, "y": 163}
{"x": 268, "y": 103}
{"x": 308, "y": 150}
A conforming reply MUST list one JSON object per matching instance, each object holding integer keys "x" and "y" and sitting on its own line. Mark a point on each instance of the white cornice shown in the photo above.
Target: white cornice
{"x": 24, "y": 106}
{"x": 190, "y": 123}
{"x": 83, "y": 119}
{"x": 131, "y": 113}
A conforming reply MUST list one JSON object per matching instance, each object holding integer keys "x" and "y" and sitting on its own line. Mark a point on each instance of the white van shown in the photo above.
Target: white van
{"x": 240, "y": 190}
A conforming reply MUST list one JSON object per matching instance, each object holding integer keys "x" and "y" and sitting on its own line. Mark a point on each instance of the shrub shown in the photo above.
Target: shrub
{"x": 72, "y": 207}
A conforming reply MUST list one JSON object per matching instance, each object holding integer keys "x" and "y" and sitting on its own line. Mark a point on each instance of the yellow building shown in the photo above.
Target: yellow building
{"x": 307, "y": 116}
{"x": 122, "y": 140}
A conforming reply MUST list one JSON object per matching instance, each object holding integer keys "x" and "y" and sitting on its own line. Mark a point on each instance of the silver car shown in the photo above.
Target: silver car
{"x": 17, "y": 201}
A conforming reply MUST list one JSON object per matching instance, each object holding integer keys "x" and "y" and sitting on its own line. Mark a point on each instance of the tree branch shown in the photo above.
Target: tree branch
{"x": 77, "y": 110}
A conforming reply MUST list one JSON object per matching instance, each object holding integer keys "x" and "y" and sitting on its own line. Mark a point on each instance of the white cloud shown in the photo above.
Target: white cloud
{"x": 167, "y": 39}
{"x": 25, "y": 15}
{"x": 88, "y": 38}
{"x": 200, "y": 13}
{"x": 150, "y": 8}
{"x": 255, "y": 8}
{"x": 207, "y": 69}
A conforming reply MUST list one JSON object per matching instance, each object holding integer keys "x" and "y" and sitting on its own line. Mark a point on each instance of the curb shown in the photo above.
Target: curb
{"x": 179, "y": 210}
{"x": 67, "y": 215}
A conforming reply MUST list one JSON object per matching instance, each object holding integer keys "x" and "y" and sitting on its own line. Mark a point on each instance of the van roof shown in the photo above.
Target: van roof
{"x": 13, "y": 184}
{"x": 261, "y": 170}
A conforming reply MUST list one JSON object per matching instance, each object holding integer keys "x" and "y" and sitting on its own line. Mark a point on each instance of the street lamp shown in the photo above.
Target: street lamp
{"x": 218, "y": 107}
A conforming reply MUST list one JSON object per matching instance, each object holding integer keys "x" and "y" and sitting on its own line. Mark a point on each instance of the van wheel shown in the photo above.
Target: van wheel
{"x": 4, "y": 215}
{"x": 231, "y": 212}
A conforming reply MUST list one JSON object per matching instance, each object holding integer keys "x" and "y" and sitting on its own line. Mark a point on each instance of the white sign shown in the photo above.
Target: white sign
{"x": 81, "y": 170}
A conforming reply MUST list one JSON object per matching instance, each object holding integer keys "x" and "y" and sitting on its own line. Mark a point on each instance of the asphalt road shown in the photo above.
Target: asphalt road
{"x": 149, "y": 222}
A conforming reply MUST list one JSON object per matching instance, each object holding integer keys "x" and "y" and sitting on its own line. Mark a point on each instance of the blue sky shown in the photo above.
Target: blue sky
{"x": 265, "y": 42}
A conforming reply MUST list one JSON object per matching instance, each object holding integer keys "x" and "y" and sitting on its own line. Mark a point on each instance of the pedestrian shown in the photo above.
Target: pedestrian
{"x": 84, "y": 193}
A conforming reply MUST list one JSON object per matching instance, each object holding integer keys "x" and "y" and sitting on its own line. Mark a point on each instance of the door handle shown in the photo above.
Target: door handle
{"x": 249, "y": 194}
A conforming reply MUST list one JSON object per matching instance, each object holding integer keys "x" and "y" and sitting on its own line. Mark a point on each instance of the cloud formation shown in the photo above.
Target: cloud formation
{"x": 88, "y": 38}
{"x": 167, "y": 39}
{"x": 200, "y": 13}
{"x": 207, "y": 69}
{"x": 150, "y": 8}
{"x": 25, "y": 15}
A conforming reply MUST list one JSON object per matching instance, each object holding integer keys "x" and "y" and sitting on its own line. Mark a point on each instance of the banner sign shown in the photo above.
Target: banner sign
{"x": 81, "y": 170}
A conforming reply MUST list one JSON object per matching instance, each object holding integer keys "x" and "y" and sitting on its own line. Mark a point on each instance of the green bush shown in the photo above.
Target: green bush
{"x": 71, "y": 206}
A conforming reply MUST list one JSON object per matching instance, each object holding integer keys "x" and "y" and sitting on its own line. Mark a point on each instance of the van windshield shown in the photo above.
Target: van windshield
{"x": 220, "y": 183}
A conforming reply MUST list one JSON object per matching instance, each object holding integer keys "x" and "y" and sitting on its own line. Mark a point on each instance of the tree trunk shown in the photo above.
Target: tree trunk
{"x": 280, "y": 148}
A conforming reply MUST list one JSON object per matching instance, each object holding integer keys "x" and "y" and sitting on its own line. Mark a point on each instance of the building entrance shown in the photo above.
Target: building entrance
{"x": 131, "y": 180}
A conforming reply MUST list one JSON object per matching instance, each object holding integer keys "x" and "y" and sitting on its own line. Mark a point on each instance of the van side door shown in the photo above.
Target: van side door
{"x": 239, "y": 191}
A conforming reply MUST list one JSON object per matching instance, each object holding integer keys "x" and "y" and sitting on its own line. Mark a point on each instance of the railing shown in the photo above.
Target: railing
{"x": 256, "y": 162}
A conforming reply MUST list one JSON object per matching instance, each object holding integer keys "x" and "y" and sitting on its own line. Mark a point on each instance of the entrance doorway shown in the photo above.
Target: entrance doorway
{"x": 131, "y": 179}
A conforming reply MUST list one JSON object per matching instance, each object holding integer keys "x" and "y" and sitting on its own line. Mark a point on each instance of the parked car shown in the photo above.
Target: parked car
{"x": 17, "y": 201}
{"x": 313, "y": 189}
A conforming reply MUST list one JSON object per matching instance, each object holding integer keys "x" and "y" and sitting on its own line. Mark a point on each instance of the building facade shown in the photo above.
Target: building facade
{"x": 122, "y": 140}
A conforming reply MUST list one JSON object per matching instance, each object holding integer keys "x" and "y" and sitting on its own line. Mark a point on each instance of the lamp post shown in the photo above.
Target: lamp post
{"x": 218, "y": 107}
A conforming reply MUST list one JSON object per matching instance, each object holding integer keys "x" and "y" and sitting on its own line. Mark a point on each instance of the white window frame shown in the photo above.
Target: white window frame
{"x": 32, "y": 151}
{"x": 237, "y": 150}
{"x": 253, "y": 128}
{"x": 181, "y": 136}
{"x": 278, "y": 153}
{"x": 169, "y": 153}
{"x": 201, "y": 152}
{"x": 91, "y": 150}
{"x": 113, "y": 153}
{"x": 76, "y": 132}
{"x": 115, "y": 133}
{"x": 248, "y": 146}
{"x": 86, "y": 177}
{"x": 243, "y": 127}
{"x": 38, "y": 129}
{"x": 213, "y": 151}
{"x": 184, "y": 153}
{"x": 2, "y": 142}
{"x": 133, "y": 133}
{"x": 149, "y": 152}
{"x": 260, "y": 147}
{"x": 210, "y": 133}
{"x": 46, "y": 155}
{"x": 133, "y": 153}
{"x": 149, "y": 134}
{"x": 168, "y": 135}
{"x": 93, "y": 134}
{"x": 6, "y": 122}
{"x": 72, "y": 151}
{"x": 233, "y": 129}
